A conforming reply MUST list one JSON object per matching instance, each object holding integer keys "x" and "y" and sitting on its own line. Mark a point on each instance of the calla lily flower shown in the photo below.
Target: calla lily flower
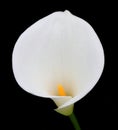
{"x": 59, "y": 57}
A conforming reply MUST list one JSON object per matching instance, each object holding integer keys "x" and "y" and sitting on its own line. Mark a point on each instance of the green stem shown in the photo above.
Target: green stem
{"x": 74, "y": 121}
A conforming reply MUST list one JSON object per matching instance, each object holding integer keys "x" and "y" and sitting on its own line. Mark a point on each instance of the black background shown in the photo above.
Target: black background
{"x": 21, "y": 110}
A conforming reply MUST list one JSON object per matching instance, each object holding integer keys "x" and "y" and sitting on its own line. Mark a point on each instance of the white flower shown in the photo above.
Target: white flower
{"x": 58, "y": 49}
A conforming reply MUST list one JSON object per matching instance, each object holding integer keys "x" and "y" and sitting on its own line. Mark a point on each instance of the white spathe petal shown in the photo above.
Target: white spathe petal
{"x": 58, "y": 49}
{"x": 60, "y": 100}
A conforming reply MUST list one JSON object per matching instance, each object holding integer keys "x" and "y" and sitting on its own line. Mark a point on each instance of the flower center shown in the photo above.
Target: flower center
{"x": 61, "y": 90}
